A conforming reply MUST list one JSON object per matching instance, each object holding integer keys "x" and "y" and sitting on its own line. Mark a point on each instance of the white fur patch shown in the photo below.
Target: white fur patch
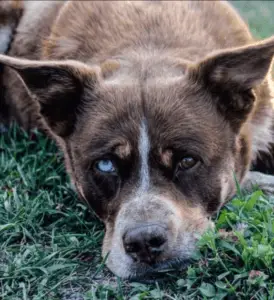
{"x": 5, "y": 38}
{"x": 144, "y": 147}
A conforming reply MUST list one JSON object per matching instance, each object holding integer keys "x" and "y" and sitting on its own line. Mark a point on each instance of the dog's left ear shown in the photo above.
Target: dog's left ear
{"x": 231, "y": 76}
{"x": 57, "y": 87}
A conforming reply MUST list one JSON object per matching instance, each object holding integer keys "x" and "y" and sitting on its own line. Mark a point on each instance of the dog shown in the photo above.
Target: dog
{"x": 158, "y": 107}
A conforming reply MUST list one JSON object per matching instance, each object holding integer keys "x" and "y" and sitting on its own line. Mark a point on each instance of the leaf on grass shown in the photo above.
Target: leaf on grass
{"x": 230, "y": 247}
{"x": 207, "y": 290}
{"x": 6, "y": 226}
{"x": 181, "y": 282}
{"x": 220, "y": 296}
{"x": 253, "y": 200}
{"x": 221, "y": 285}
{"x": 156, "y": 294}
{"x": 223, "y": 275}
{"x": 264, "y": 250}
{"x": 240, "y": 276}
{"x": 59, "y": 267}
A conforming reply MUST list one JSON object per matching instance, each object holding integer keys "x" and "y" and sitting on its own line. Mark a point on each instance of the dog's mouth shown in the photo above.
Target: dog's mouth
{"x": 157, "y": 272}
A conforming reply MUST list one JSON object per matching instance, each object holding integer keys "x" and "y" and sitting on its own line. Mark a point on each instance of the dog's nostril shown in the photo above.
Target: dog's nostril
{"x": 132, "y": 247}
{"x": 156, "y": 242}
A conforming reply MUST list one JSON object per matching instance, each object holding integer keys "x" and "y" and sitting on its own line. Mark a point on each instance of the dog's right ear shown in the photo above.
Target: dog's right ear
{"x": 231, "y": 76}
{"x": 57, "y": 86}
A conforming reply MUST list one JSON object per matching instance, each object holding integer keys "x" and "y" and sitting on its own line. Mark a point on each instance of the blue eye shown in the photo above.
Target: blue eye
{"x": 105, "y": 166}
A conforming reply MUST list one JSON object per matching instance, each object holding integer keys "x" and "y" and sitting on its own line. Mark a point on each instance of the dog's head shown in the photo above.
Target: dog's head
{"x": 152, "y": 147}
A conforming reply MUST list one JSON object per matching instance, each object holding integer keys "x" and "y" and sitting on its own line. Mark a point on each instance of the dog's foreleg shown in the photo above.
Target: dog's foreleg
{"x": 263, "y": 181}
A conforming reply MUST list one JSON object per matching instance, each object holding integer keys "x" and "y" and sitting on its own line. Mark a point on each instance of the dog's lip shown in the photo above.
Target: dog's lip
{"x": 176, "y": 263}
{"x": 148, "y": 274}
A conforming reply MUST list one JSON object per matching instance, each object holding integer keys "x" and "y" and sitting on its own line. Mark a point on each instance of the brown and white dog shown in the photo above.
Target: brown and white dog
{"x": 156, "y": 106}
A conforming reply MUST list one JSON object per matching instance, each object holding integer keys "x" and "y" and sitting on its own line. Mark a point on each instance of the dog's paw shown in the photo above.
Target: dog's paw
{"x": 263, "y": 181}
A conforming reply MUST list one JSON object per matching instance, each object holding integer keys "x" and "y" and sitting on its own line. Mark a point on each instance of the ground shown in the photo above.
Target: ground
{"x": 50, "y": 243}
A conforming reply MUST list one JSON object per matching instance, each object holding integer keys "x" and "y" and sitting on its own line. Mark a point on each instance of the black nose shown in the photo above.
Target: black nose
{"x": 145, "y": 243}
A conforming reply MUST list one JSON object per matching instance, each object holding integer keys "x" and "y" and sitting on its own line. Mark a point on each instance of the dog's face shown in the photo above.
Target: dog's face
{"x": 155, "y": 156}
{"x": 153, "y": 169}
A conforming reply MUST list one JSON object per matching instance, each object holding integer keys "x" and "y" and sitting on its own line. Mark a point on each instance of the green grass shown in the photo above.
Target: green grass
{"x": 50, "y": 243}
{"x": 259, "y": 16}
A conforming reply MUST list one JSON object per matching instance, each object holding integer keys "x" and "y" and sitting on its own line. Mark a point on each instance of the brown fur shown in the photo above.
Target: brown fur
{"x": 10, "y": 13}
{"x": 188, "y": 75}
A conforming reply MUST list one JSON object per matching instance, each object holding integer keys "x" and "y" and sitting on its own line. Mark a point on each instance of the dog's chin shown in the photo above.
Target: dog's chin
{"x": 159, "y": 271}
{"x": 141, "y": 272}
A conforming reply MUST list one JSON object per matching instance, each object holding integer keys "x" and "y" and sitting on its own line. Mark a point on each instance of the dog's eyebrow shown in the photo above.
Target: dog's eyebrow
{"x": 186, "y": 143}
{"x": 122, "y": 148}
{"x": 166, "y": 157}
{"x": 193, "y": 146}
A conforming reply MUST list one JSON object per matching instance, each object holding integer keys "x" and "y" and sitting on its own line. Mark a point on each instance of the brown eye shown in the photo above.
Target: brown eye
{"x": 187, "y": 162}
